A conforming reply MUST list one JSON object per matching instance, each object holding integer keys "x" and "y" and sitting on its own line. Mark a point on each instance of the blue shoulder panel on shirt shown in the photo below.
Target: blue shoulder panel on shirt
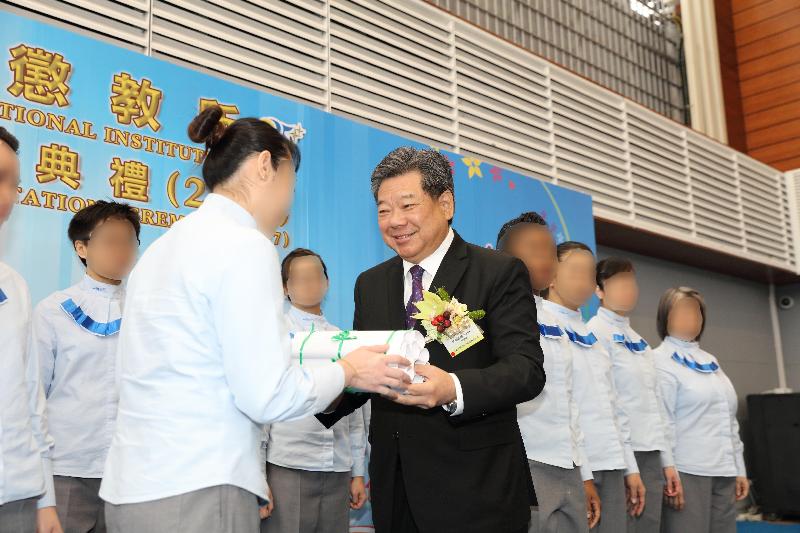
{"x": 586, "y": 341}
{"x": 101, "y": 329}
{"x": 636, "y": 347}
{"x": 705, "y": 368}
{"x": 552, "y": 332}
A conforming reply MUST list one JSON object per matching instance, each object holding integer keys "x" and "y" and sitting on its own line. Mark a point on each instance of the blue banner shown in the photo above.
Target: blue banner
{"x": 100, "y": 122}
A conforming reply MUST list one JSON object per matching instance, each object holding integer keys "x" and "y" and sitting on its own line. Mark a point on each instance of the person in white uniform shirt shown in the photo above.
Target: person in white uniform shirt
{"x": 634, "y": 374}
{"x": 204, "y": 354}
{"x": 702, "y": 429}
{"x": 27, "y": 497}
{"x": 550, "y": 423}
{"x": 605, "y": 426}
{"x": 316, "y": 474}
{"x": 74, "y": 335}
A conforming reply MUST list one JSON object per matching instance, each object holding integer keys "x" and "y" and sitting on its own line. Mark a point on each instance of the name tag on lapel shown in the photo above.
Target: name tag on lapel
{"x": 463, "y": 340}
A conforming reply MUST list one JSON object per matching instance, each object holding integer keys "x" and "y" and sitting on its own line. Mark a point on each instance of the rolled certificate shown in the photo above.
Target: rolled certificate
{"x": 326, "y": 347}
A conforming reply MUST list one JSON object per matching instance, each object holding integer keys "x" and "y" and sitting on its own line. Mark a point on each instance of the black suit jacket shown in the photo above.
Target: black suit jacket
{"x": 465, "y": 473}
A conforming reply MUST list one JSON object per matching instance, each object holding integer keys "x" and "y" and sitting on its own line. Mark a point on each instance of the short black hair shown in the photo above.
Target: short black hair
{"x": 610, "y": 267}
{"x": 9, "y": 139}
{"x": 227, "y": 147}
{"x": 294, "y": 254}
{"x": 531, "y": 217}
{"x": 437, "y": 174}
{"x": 568, "y": 246}
{"x": 87, "y": 219}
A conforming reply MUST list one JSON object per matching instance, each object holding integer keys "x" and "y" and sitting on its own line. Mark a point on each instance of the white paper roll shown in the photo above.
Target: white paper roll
{"x": 326, "y": 347}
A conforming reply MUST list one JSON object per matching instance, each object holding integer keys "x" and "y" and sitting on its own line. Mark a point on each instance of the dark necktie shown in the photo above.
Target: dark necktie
{"x": 416, "y": 295}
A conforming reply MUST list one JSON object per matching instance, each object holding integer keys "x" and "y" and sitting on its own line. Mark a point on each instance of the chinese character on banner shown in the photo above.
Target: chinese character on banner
{"x": 227, "y": 110}
{"x": 39, "y": 76}
{"x": 135, "y": 101}
{"x": 58, "y": 162}
{"x": 131, "y": 180}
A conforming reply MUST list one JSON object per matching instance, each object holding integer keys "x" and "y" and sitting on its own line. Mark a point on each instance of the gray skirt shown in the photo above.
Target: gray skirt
{"x": 307, "y": 501}
{"x": 221, "y": 509}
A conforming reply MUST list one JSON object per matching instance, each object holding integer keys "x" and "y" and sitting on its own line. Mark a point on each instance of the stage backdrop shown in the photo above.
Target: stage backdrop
{"x": 100, "y": 122}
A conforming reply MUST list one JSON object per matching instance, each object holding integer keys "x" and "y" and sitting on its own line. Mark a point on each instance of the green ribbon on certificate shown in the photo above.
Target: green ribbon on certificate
{"x": 303, "y": 344}
{"x": 341, "y": 337}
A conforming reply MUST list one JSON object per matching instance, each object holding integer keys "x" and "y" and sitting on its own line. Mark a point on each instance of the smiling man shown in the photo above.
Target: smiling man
{"x": 447, "y": 456}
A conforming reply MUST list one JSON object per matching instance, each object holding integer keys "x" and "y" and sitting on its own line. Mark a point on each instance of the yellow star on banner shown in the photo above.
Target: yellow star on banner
{"x": 474, "y": 166}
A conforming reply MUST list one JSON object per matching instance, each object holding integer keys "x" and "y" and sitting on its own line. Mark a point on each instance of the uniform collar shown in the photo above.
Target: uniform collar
{"x": 561, "y": 310}
{"x": 227, "y": 207}
{"x": 299, "y": 314}
{"x": 432, "y": 263}
{"x": 689, "y": 354}
{"x": 688, "y": 346}
{"x": 99, "y": 288}
{"x": 613, "y": 318}
{"x": 95, "y": 306}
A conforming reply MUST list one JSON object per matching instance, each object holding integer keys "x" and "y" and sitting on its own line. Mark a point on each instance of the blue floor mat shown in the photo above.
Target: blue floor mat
{"x": 766, "y": 527}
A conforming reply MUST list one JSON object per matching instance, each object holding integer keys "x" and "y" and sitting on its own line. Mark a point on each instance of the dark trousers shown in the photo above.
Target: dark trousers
{"x": 402, "y": 517}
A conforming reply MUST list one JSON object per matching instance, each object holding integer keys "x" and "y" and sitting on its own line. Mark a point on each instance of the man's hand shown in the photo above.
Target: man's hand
{"x": 368, "y": 369}
{"x": 673, "y": 489}
{"x": 47, "y": 521}
{"x": 265, "y": 511}
{"x": 437, "y": 389}
{"x": 592, "y": 503}
{"x": 634, "y": 494}
{"x": 358, "y": 492}
{"x": 742, "y": 488}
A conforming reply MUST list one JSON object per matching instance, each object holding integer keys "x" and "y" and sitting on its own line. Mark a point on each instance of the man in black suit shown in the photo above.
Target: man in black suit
{"x": 448, "y": 455}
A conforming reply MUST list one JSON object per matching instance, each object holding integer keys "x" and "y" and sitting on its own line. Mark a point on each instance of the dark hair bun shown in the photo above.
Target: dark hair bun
{"x": 206, "y": 127}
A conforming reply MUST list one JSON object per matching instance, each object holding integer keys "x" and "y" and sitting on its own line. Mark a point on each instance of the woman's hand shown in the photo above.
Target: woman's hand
{"x": 673, "y": 489}
{"x": 672, "y": 482}
{"x": 592, "y": 503}
{"x": 634, "y": 494}
{"x": 266, "y": 510}
{"x": 358, "y": 493}
{"x": 368, "y": 368}
{"x": 742, "y": 488}
{"x": 47, "y": 521}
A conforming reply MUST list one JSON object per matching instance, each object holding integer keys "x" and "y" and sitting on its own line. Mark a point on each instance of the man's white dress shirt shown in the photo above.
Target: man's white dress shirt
{"x": 430, "y": 266}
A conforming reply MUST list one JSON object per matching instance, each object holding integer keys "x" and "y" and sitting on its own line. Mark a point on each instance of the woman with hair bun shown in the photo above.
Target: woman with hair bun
{"x": 204, "y": 354}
